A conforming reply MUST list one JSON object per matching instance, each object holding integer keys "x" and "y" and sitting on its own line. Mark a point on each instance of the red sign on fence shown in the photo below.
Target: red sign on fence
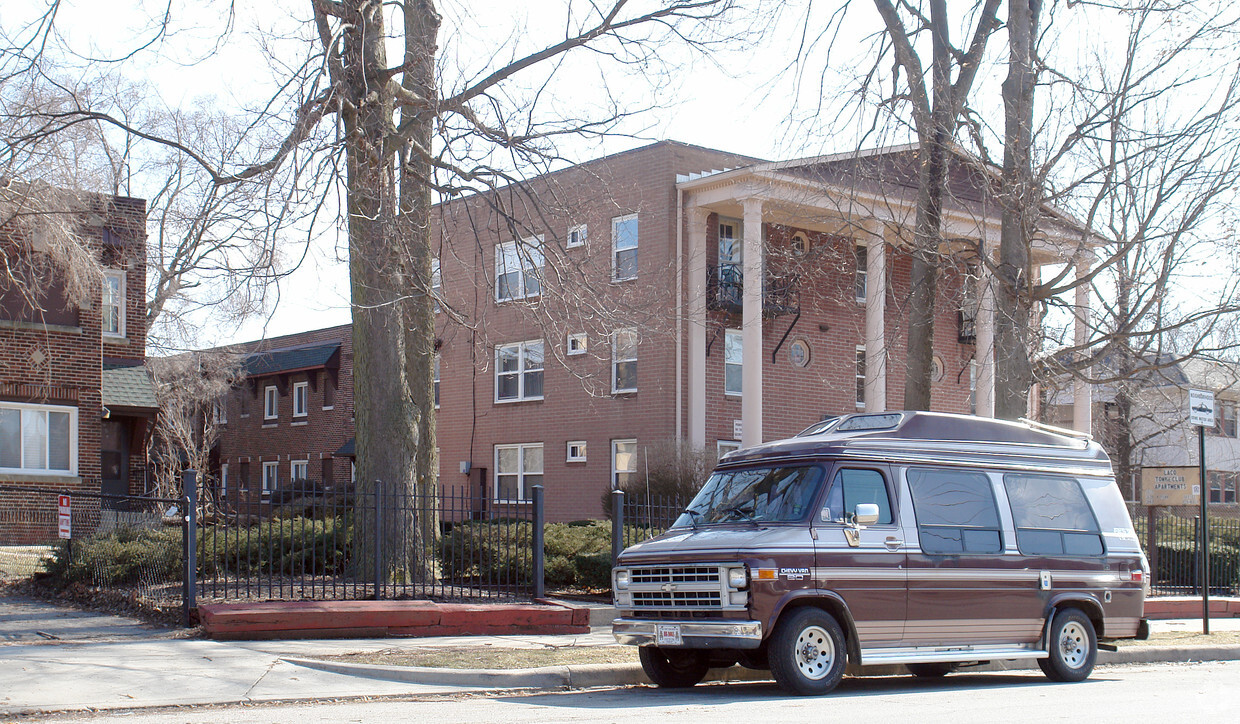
{"x": 64, "y": 518}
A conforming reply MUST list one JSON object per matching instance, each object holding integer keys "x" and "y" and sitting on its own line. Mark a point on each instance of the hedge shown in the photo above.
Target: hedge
{"x": 123, "y": 556}
{"x": 291, "y": 546}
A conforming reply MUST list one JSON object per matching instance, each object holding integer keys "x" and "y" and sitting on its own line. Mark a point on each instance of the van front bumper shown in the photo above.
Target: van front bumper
{"x": 693, "y": 634}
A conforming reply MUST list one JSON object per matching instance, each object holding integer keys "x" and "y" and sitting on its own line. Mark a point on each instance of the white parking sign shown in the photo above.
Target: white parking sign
{"x": 1201, "y": 408}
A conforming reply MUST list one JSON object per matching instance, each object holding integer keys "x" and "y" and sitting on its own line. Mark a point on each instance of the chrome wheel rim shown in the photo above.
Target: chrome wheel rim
{"x": 815, "y": 652}
{"x": 1073, "y": 645}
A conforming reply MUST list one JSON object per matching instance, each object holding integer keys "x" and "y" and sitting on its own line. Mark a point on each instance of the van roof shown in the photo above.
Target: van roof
{"x": 904, "y": 436}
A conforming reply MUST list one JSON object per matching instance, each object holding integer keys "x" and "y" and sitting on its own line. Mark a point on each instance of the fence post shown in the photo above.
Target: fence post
{"x": 617, "y": 524}
{"x": 378, "y": 540}
{"x": 189, "y": 540}
{"x": 537, "y": 543}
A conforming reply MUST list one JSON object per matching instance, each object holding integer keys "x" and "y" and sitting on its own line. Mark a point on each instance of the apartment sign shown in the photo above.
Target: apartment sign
{"x": 1201, "y": 408}
{"x": 1171, "y": 486}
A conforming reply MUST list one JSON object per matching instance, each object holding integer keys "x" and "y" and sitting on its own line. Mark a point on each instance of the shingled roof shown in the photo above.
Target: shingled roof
{"x": 292, "y": 359}
{"x": 128, "y": 389}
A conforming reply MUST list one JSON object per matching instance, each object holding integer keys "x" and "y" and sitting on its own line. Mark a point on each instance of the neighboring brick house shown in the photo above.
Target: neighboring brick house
{"x": 76, "y": 403}
{"x": 291, "y": 415}
{"x": 609, "y": 312}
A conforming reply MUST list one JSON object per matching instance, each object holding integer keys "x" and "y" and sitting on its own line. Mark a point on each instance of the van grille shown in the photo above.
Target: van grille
{"x": 677, "y": 574}
{"x": 681, "y": 589}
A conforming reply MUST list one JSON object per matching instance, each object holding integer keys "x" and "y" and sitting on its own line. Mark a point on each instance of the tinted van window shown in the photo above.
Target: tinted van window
{"x": 956, "y": 511}
{"x": 766, "y": 494}
{"x": 1052, "y": 516}
{"x": 851, "y": 487}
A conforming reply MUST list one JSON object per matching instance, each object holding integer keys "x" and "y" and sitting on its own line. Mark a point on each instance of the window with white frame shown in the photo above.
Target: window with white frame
{"x": 518, "y": 266}
{"x": 219, "y": 411}
{"x": 859, "y": 278}
{"x": 624, "y": 247}
{"x": 623, "y": 463}
{"x": 518, "y": 468}
{"x": 301, "y": 399}
{"x": 723, "y": 447}
{"x": 271, "y": 402}
{"x": 436, "y": 285}
{"x": 624, "y": 360}
{"x": 576, "y": 343}
{"x": 38, "y": 439}
{"x": 224, "y": 476}
{"x": 113, "y": 303}
{"x": 435, "y": 371}
{"x": 576, "y": 236}
{"x": 576, "y": 451}
{"x": 271, "y": 476}
{"x": 519, "y": 371}
{"x": 299, "y": 470}
{"x": 733, "y": 359}
{"x": 860, "y": 376}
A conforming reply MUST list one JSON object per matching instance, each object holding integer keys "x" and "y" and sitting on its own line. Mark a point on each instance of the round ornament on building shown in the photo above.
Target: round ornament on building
{"x": 936, "y": 368}
{"x": 798, "y": 353}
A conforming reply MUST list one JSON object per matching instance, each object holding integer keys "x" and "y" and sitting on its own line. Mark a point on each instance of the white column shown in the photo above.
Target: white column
{"x": 695, "y": 307}
{"x": 875, "y": 318}
{"x": 985, "y": 343}
{"x": 751, "y": 326}
{"x": 1082, "y": 409}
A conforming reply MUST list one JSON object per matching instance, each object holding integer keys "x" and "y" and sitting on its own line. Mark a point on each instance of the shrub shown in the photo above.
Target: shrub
{"x": 667, "y": 471}
{"x": 291, "y": 546}
{"x": 123, "y": 556}
{"x": 494, "y": 551}
{"x": 1177, "y": 565}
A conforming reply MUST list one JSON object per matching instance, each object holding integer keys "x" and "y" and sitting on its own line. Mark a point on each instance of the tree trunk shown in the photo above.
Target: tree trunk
{"x": 1021, "y": 201}
{"x": 421, "y": 45}
{"x": 925, "y": 271}
{"x": 385, "y": 419}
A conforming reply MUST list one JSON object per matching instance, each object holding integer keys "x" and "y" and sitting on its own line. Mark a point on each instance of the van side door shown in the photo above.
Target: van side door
{"x": 964, "y": 586}
{"x": 865, "y": 566}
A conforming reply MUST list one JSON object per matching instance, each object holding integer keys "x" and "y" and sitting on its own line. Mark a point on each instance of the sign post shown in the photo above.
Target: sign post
{"x": 1201, "y": 413}
{"x": 64, "y": 517}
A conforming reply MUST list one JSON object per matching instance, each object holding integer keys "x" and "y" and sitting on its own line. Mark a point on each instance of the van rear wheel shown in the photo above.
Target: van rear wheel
{"x": 807, "y": 653}
{"x": 673, "y": 668}
{"x": 1073, "y": 647}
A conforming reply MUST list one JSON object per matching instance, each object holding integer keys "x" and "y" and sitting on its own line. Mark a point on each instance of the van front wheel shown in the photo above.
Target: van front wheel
{"x": 807, "y": 652}
{"x": 1073, "y": 647}
{"x": 673, "y": 668}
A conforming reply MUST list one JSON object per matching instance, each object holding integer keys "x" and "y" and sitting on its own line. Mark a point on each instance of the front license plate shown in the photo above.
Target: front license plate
{"x": 668, "y": 634}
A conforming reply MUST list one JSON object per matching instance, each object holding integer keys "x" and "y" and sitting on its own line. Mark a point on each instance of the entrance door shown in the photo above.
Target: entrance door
{"x": 114, "y": 459}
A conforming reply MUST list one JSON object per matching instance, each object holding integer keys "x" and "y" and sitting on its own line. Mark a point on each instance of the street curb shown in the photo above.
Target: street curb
{"x": 588, "y": 675}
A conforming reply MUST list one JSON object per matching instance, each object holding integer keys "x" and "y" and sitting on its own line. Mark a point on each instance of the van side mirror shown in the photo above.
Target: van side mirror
{"x": 867, "y": 514}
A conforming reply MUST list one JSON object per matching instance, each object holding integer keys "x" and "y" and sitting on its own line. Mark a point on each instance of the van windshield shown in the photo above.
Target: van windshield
{"x": 759, "y": 495}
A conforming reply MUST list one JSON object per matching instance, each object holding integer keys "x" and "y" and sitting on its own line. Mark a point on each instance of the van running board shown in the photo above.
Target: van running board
{"x": 943, "y": 654}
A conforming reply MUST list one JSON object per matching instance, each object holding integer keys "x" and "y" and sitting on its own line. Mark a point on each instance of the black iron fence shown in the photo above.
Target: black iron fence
{"x": 323, "y": 544}
{"x": 640, "y": 517}
{"x": 131, "y": 547}
{"x": 1174, "y": 551}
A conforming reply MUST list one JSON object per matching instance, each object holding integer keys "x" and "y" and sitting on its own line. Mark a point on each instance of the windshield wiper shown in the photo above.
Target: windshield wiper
{"x": 740, "y": 512}
{"x": 693, "y": 516}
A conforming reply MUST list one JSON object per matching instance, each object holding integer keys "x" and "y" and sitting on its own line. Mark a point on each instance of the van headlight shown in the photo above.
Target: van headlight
{"x": 622, "y": 580}
{"x": 738, "y": 577}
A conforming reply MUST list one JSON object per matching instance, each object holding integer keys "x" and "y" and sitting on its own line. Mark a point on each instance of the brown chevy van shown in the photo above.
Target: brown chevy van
{"x": 924, "y": 539}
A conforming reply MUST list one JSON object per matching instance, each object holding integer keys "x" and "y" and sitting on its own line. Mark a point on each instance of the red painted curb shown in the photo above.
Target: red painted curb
{"x": 1164, "y": 608}
{"x": 370, "y": 619}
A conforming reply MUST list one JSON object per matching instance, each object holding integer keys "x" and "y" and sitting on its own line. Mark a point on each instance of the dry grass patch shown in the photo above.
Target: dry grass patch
{"x": 486, "y": 657}
{"x": 1188, "y": 637}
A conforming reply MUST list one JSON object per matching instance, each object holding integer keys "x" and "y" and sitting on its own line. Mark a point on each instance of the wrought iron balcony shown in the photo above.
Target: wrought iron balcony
{"x": 966, "y": 326}
{"x": 725, "y": 285}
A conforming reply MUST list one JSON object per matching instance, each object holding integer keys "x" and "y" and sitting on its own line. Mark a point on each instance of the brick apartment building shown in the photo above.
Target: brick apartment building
{"x": 76, "y": 402}
{"x": 643, "y": 298}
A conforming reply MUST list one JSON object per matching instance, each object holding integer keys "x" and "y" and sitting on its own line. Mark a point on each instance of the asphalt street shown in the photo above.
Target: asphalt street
{"x": 1130, "y": 693}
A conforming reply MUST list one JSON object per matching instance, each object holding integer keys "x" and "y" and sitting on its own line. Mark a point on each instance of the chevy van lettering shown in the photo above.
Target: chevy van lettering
{"x": 928, "y": 540}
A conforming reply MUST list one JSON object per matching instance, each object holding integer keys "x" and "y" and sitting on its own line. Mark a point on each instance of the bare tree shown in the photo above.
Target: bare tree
{"x": 189, "y": 387}
{"x": 392, "y": 136}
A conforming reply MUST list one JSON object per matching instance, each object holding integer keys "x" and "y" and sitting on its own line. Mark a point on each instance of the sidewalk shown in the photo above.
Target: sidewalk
{"x": 101, "y": 662}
